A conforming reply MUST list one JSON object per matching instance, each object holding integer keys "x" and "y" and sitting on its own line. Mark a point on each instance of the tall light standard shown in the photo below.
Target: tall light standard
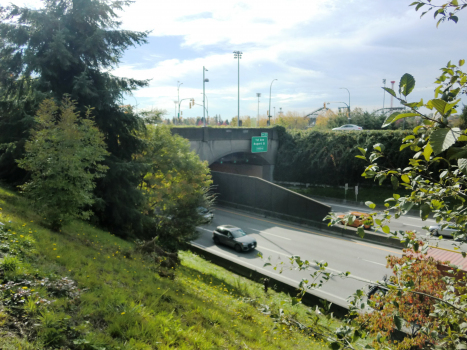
{"x": 384, "y": 93}
{"x": 175, "y": 113}
{"x": 238, "y": 55}
{"x": 207, "y": 105}
{"x": 178, "y": 97}
{"x": 269, "y": 110}
{"x": 274, "y": 114}
{"x": 204, "y": 108}
{"x": 349, "y": 100}
{"x": 258, "y": 95}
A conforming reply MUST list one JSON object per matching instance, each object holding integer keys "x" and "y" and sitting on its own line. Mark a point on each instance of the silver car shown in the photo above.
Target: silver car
{"x": 234, "y": 237}
{"x": 205, "y": 215}
{"x": 436, "y": 230}
{"x": 348, "y": 127}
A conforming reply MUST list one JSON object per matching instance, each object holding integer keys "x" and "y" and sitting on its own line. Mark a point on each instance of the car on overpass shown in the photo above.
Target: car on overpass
{"x": 437, "y": 230}
{"x": 234, "y": 237}
{"x": 348, "y": 127}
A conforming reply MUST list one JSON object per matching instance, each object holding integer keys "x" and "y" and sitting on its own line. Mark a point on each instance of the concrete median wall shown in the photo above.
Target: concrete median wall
{"x": 258, "y": 194}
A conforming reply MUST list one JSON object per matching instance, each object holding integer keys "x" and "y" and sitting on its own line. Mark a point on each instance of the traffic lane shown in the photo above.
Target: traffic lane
{"x": 336, "y": 290}
{"x": 278, "y": 242}
{"x": 406, "y": 222}
{"x": 343, "y": 253}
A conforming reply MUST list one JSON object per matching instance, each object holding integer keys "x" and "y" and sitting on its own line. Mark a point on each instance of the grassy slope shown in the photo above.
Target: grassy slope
{"x": 124, "y": 303}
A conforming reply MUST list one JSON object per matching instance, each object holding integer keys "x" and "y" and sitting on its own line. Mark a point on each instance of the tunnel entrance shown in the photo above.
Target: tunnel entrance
{"x": 243, "y": 163}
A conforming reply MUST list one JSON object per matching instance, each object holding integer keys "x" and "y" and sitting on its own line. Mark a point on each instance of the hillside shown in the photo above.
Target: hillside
{"x": 84, "y": 288}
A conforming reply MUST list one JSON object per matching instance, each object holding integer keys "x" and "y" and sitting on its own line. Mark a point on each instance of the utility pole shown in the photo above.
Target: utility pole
{"x": 258, "y": 95}
{"x": 238, "y": 55}
{"x": 204, "y": 108}
{"x": 269, "y": 110}
{"x": 178, "y": 97}
{"x": 384, "y": 93}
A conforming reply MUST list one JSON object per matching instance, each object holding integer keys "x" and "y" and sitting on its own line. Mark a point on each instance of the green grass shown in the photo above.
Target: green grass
{"x": 123, "y": 303}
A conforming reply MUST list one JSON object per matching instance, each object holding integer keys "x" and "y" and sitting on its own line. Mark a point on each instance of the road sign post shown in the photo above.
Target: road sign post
{"x": 259, "y": 144}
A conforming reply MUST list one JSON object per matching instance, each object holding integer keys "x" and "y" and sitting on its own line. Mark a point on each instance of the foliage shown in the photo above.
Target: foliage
{"x": 408, "y": 301}
{"x": 123, "y": 303}
{"x": 174, "y": 184}
{"x": 292, "y": 120}
{"x": 442, "y": 10}
{"x": 327, "y": 157}
{"x": 71, "y": 47}
{"x": 63, "y": 156}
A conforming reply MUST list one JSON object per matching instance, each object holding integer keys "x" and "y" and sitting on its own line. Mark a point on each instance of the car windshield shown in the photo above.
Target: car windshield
{"x": 238, "y": 233}
{"x": 202, "y": 210}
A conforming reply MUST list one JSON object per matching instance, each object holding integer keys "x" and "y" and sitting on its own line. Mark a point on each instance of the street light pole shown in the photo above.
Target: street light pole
{"x": 178, "y": 97}
{"x": 204, "y": 108}
{"x": 207, "y": 105}
{"x": 384, "y": 93}
{"x": 175, "y": 113}
{"x": 258, "y": 95}
{"x": 269, "y": 110}
{"x": 349, "y": 100}
{"x": 238, "y": 55}
{"x": 274, "y": 114}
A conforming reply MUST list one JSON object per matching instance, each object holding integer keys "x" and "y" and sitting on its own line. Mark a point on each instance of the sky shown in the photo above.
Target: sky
{"x": 313, "y": 48}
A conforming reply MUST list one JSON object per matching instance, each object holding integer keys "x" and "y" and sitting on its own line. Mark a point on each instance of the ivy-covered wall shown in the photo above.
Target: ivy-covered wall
{"x": 328, "y": 157}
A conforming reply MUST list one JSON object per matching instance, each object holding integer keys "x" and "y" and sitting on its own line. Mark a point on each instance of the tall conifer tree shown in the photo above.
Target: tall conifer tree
{"x": 70, "y": 47}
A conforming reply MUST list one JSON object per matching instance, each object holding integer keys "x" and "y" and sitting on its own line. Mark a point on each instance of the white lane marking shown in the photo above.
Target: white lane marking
{"x": 266, "y": 271}
{"x": 205, "y": 229}
{"x": 373, "y": 262}
{"x": 267, "y": 233}
{"x": 363, "y": 279}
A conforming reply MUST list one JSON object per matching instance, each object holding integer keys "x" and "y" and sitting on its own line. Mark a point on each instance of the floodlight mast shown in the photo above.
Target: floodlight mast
{"x": 238, "y": 56}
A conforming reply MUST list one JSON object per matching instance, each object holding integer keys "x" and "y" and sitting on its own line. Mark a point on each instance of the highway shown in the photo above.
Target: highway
{"x": 404, "y": 223}
{"x": 278, "y": 240}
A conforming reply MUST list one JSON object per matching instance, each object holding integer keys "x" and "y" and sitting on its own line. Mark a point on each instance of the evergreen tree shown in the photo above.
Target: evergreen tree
{"x": 70, "y": 47}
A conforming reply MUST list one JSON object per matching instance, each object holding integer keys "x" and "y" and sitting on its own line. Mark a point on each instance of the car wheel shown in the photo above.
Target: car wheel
{"x": 238, "y": 248}
{"x": 435, "y": 233}
{"x": 216, "y": 240}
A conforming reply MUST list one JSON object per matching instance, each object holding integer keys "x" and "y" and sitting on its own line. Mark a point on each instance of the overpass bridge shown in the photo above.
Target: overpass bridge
{"x": 229, "y": 149}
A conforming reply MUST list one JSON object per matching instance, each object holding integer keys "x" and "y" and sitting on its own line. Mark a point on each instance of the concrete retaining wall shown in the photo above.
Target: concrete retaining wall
{"x": 252, "y": 192}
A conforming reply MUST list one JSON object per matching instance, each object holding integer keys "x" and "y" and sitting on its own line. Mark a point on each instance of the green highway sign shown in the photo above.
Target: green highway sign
{"x": 265, "y": 134}
{"x": 259, "y": 144}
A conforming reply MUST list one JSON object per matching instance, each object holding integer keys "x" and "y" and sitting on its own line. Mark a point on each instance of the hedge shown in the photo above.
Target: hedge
{"x": 328, "y": 157}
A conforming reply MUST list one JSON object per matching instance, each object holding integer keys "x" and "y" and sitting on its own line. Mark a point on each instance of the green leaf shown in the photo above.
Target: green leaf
{"x": 335, "y": 345}
{"x": 390, "y": 91}
{"x": 405, "y": 178}
{"x": 363, "y": 150}
{"x": 398, "y": 322}
{"x": 361, "y": 157}
{"x": 456, "y": 152}
{"x": 425, "y": 211}
{"x": 462, "y": 164}
{"x": 439, "y": 105}
{"x": 461, "y": 62}
{"x": 361, "y": 231}
{"x": 427, "y": 151}
{"x": 386, "y": 229}
{"x": 442, "y": 139}
{"x": 396, "y": 196}
{"x": 379, "y": 147}
{"x": 393, "y": 117}
{"x": 267, "y": 264}
{"x": 371, "y": 205}
{"x": 406, "y": 84}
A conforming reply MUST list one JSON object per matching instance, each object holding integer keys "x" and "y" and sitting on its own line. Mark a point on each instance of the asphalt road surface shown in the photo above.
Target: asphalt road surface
{"x": 278, "y": 240}
{"x": 405, "y": 223}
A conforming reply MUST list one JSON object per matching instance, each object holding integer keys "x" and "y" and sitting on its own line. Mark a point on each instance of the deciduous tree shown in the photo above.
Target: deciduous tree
{"x": 64, "y": 156}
